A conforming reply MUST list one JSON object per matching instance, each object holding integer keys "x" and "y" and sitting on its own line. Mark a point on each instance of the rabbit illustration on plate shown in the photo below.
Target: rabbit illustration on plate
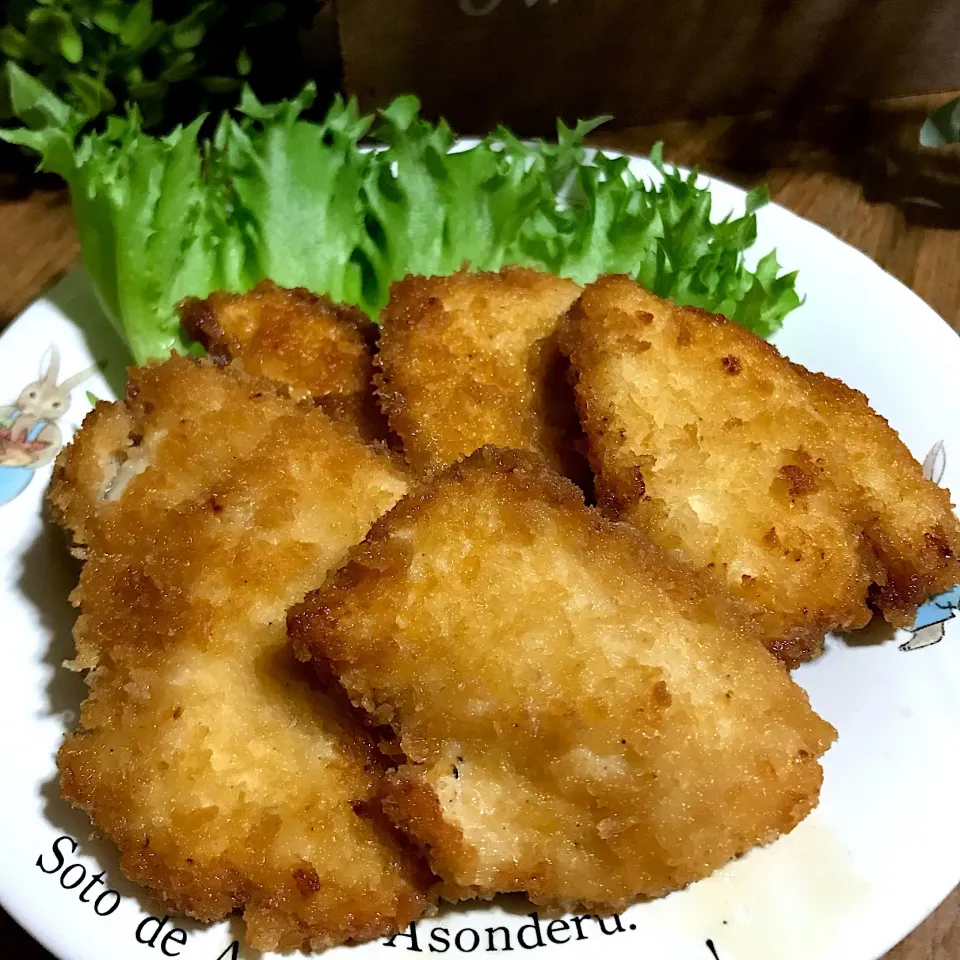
{"x": 30, "y": 436}
{"x": 930, "y": 624}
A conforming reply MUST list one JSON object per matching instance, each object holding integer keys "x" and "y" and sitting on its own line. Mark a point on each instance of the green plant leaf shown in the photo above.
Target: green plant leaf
{"x": 244, "y": 64}
{"x": 12, "y": 42}
{"x": 44, "y": 27}
{"x": 758, "y": 197}
{"x": 188, "y": 36}
{"x": 93, "y": 93}
{"x": 137, "y": 25}
{"x": 180, "y": 68}
{"x": 42, "y": 15}
{"x": 108, "y": 19}
{"x": 50, "y": 125}
{"x": 942, "y": 127}
{"x": 191, "y": 29}
{"x": 35, "y": 105}
{"x": 148, "y": 90}
{"x": 71, "y": 46}
{"x": 155, "y": 33}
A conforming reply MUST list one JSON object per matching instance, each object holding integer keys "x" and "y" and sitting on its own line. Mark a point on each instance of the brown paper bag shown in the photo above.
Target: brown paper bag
{"x": 524, "y": 62}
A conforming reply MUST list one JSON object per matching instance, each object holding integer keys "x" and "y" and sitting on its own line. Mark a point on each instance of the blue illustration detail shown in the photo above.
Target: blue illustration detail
{"x": 930, "y": 624}
{"x": 15, "y": 479}
{"x": 29, "y": 435}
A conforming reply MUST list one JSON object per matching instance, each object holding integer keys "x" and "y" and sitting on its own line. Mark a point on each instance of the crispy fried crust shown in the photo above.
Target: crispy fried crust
{"x": 471, "y": 359}
{"x": 319, "y": 349}
{"x": 205, "y": 505}
{"x": 780, "y": 483}
{"x": 580, "y": 718}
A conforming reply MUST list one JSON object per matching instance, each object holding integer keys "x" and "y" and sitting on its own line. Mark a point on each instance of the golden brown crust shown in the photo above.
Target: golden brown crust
{"x": 81, "y": 470}
{"x": 205, "y": 505}
{"x": 410, "y": 802}
{"x": 319, "y": 349}
{"x": 471, "y": 359}
{"x": 780, "y": 483}
{"x": 580, "y": 717}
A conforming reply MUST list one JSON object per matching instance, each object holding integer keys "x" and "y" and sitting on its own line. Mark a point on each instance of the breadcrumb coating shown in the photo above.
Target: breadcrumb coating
{"x": 472, "y": 359}
{"x": 204, "y": 505}
{"x": 318, "y": 349}
{"x": 579, "y": 718}
{"x": 780, "y": 484}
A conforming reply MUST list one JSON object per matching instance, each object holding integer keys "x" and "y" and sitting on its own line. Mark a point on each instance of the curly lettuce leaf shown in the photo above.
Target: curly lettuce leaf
{"x": 305, "y": 203}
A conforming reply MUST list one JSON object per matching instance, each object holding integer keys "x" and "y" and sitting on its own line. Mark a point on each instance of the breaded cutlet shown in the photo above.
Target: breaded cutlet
{"x": 317, "y": 348}
{"x": 203, "y": 506}
{"x": 580, "y": 718}
{"x": 472, "y": 358}
{"x": 782, "y": 485}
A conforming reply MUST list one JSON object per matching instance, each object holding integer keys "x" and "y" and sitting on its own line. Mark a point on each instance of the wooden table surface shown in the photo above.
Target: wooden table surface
{"x": 857, "y": 170}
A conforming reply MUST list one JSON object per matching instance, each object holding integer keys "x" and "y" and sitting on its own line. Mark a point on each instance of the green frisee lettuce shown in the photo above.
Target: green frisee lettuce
{"x": 271, "y": 195}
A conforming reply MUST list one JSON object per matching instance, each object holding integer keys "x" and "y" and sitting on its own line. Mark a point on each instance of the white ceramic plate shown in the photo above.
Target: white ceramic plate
{"x": 878, "y": 855}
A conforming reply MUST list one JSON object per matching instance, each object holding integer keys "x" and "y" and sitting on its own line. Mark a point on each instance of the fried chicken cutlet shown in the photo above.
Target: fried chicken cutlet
{"x": 781, "y": 484}
{"x": 580, "y": 718}
{"x": 319, "y": 349}
{"x": 203, "y": 506}
{"x": 471, "y": 359}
